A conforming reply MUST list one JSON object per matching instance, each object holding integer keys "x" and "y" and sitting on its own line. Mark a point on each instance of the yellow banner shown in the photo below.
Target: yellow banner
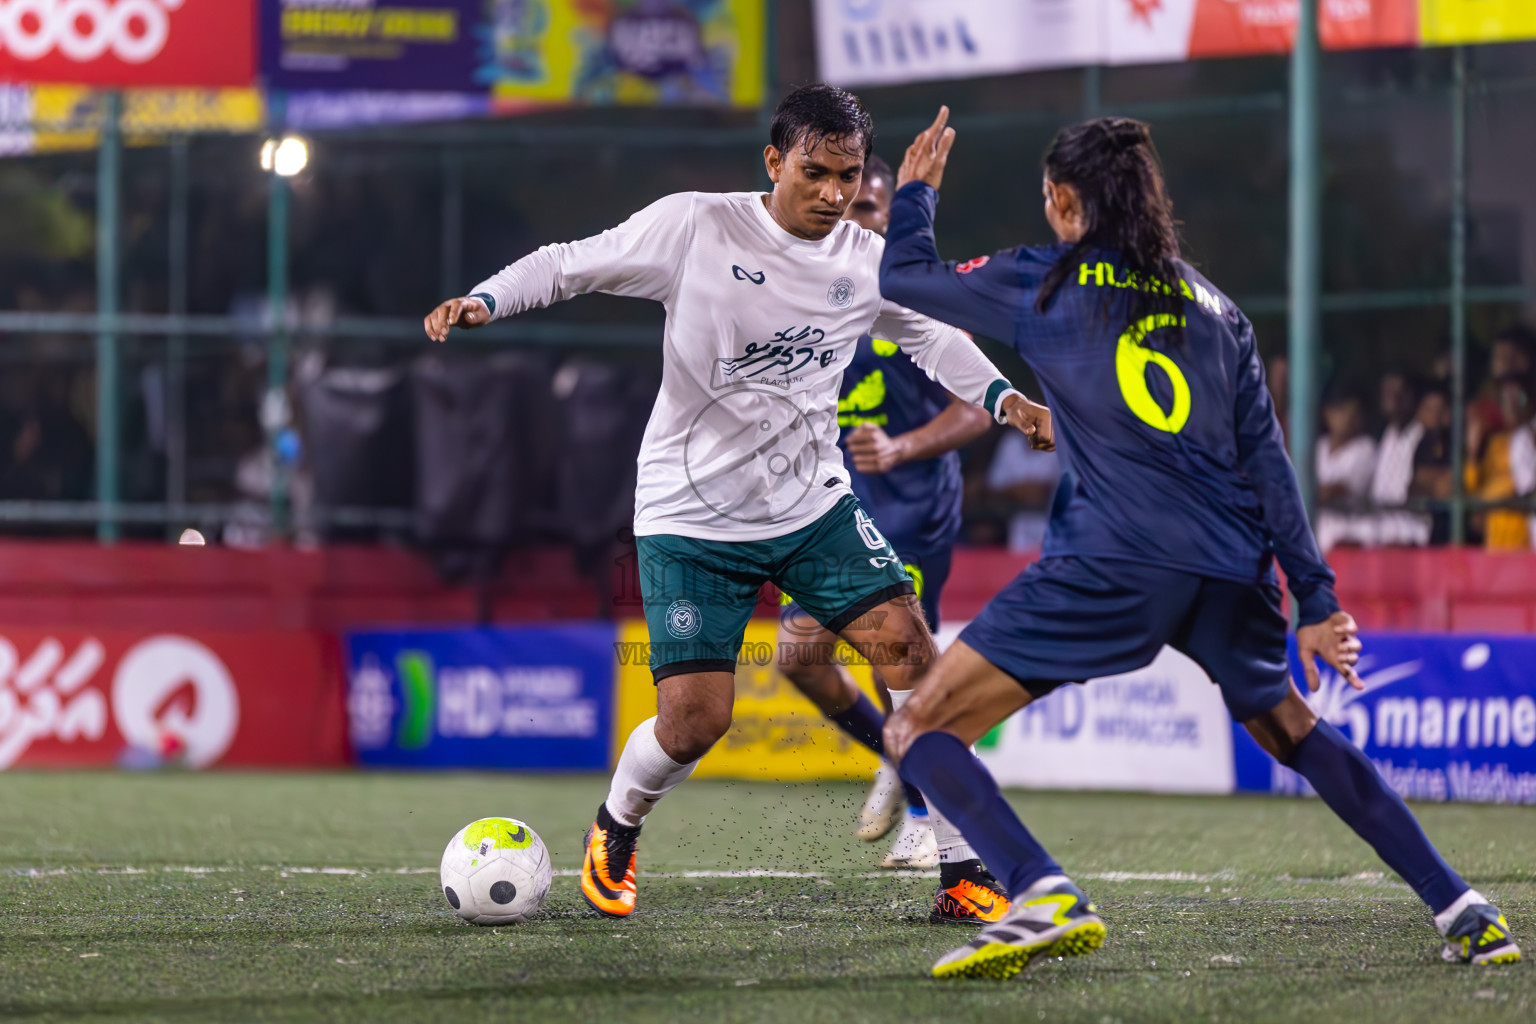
{"x": 67, "y": 116}
{"x": 606, "y": 52}
{"x": 1444, "y": 22}
{"x": 776, "y": 734}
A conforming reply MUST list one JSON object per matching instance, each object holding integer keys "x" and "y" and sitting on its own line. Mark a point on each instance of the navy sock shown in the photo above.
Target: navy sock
{"x": 965, "y": 793}
{"x": 1350, "y": 785}
{"x": 863, "y": 722}
{"x": 915, "y": 800}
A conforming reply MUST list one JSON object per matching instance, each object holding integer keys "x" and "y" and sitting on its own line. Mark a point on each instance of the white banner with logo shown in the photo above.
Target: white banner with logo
{"x": 1160, "y": 729}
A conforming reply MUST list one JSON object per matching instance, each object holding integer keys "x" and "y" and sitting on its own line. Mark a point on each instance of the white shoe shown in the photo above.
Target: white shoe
{"x": 1054, "y": 918}
{"x": 881, "y": 806}
{"x": 915, "y": 845}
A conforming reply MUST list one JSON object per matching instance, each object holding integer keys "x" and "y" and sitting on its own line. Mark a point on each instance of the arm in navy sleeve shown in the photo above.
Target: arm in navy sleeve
{"x": 1261, "y": 453}
{"x": 985, "y": 299}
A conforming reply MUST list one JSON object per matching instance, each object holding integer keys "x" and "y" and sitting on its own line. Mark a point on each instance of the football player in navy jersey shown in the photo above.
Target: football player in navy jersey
{"x": 1176, "y": 498}
{"x": 900, "y": 434}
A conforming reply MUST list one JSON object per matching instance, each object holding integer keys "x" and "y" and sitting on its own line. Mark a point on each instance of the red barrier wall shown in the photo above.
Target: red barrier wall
{"x": 212, "y": 656}
{"x": 1458, "y": 590}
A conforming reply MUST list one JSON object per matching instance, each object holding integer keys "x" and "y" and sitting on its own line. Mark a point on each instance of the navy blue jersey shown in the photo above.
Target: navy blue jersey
{"x": 1170, "y": 450}
{"x": 917, "y": 504}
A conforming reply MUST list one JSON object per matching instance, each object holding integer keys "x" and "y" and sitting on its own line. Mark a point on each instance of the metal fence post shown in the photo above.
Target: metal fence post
{"x": 1306, "y": 250}
{"x": 109, "y": 161}
{"x": 1458, "y": 308}
{"x": 275, "y": 414}
{"x": 176, "y": 344}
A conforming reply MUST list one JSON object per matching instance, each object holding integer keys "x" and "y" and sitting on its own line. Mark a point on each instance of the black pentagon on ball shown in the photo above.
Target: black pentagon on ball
{"x": 503, "y": 892}
{"x": 453, "y": 897}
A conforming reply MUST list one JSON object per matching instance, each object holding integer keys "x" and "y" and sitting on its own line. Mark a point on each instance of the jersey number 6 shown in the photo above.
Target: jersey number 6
{"x": 1131, "y": 359}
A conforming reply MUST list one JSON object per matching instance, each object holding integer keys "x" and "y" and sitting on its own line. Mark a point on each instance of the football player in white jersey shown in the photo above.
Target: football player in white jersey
{"x": 740, "y": 478}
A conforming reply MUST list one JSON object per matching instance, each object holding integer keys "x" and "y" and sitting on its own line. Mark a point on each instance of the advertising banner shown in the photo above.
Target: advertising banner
{"x": 77, "y": 699}
{"x": 1161, "y": 729}
{"x": 1443, "y": 718}
{"x": 526, "y": 697}
{"x": 124, "y": 43}
{"x": 625, "y": 52}
{"x": 776, "y": 733}
{"x": 1451, "y": 22}
{"x": 371, "y": 44}
{"x": 879, "y": 42}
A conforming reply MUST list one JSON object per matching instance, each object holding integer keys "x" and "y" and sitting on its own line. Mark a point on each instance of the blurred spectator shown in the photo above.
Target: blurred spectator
{"x": 1026, "y": 478}
{"x": 1393, "y": 475}
{"x": 1510, "y": 357}
{"x": 47, "y": 455}
{"x": 1490, "y": 476}
{"x": 1432, "y": 459}
{"x": 1522, "y": 468}
{"x": 1346, "y": 461}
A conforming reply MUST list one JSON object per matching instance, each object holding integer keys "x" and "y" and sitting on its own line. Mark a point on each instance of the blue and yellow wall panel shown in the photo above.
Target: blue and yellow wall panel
{"x": 777, "y": 735}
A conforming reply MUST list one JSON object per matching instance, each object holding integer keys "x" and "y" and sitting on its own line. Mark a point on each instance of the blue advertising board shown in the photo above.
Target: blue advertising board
{"x": 417, "y": 45}
{"x": 535, "y": 697}
{"x": 1443, "y": 718}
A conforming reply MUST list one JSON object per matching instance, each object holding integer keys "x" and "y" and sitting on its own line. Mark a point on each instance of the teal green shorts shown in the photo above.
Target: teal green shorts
{"x": 699, "y": 594}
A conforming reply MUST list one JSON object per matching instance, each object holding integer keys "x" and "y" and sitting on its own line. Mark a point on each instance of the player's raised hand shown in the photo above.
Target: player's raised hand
{"x": 873, "y": 450}
{"x": 465, "y": 313}
{"x": 928, "y": 153}
{"x": 1335, "y": 640}
{"x": 1033, "y": 420}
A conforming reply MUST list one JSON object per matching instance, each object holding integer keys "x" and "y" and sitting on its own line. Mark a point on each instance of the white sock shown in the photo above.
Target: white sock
{"x": 952, "y": 845}
{"x": 1448, "y": 916}
{"x": 645, "y": 774}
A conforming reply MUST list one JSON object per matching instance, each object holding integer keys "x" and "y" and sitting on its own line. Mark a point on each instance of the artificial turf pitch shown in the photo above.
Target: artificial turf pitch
{"x": 314, "y": 897}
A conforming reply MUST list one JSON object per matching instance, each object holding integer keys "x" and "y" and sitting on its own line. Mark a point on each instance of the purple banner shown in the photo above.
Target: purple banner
{"x": 415, "y": 45}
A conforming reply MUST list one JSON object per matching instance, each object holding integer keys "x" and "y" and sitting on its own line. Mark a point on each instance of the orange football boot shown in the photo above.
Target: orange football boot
{"x": 968, "y": 894}
{"x": 608, "y": 868}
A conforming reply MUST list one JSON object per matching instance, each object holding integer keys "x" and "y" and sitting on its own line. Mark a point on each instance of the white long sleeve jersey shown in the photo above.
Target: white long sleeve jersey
{"x": 742, "y": 442}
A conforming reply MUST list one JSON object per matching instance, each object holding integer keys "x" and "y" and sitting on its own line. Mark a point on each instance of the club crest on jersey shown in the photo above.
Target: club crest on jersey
{"x": 746, "y": 275}
{"x": 970, "y": 265}
{"x": 683, "y": 619}
{"x": 792, "y": 351}
{"x": 840, "y": 295}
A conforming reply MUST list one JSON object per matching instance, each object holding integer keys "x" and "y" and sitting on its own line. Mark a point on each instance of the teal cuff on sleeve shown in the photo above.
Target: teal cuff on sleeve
{"x": 996, "y": 392}
{"x": 489, "y": 300}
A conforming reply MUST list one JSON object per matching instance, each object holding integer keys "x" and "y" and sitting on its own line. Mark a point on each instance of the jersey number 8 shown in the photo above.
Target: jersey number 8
{"x": 1131, "y": 359}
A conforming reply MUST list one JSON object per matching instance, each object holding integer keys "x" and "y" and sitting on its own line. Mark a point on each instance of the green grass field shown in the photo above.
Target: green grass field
{"x": 314, "y": 897}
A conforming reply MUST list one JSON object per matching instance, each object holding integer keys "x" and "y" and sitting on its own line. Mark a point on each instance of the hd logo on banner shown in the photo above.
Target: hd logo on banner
{"x": 1443, "y": 718}
{"x": 534, "y": 697}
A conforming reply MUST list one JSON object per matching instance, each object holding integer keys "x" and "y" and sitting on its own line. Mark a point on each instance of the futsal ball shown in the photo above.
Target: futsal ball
{"x": 495, "y": 871}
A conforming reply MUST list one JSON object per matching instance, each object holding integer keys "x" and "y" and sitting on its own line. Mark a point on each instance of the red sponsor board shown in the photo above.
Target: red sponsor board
{"x": 209, "y": 699}
{"x": 1230, "y": 28}
{"x": 129, "y": 42}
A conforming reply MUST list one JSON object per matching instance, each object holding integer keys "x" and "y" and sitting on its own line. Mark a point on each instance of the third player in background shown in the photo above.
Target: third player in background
{"x": 900, "y": 433}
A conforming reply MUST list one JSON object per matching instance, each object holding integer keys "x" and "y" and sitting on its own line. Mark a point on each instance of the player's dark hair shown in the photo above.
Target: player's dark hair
{"x": 1113, "y": 165}
{"x": 814, "y": 114}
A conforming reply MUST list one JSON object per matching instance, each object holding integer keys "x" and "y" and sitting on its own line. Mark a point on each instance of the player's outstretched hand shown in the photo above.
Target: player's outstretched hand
{"x": 465, "y": 313}
{"x": 873, "y": 450}
{"x": 1033, "y": 420}
{"x": 1335, "y": 641}
{"x": 928, "y": 153}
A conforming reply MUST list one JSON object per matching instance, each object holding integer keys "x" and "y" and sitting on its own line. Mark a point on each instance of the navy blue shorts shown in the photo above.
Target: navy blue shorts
{"x": 1065, "y": 620}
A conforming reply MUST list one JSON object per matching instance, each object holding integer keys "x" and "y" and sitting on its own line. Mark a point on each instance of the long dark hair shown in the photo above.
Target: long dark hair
{"x": 1113, "y": 165}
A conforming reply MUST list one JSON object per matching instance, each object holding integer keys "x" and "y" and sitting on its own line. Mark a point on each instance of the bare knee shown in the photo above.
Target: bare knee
{"x": 693, "y": 713}
{"x": 1281, "y": 729}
